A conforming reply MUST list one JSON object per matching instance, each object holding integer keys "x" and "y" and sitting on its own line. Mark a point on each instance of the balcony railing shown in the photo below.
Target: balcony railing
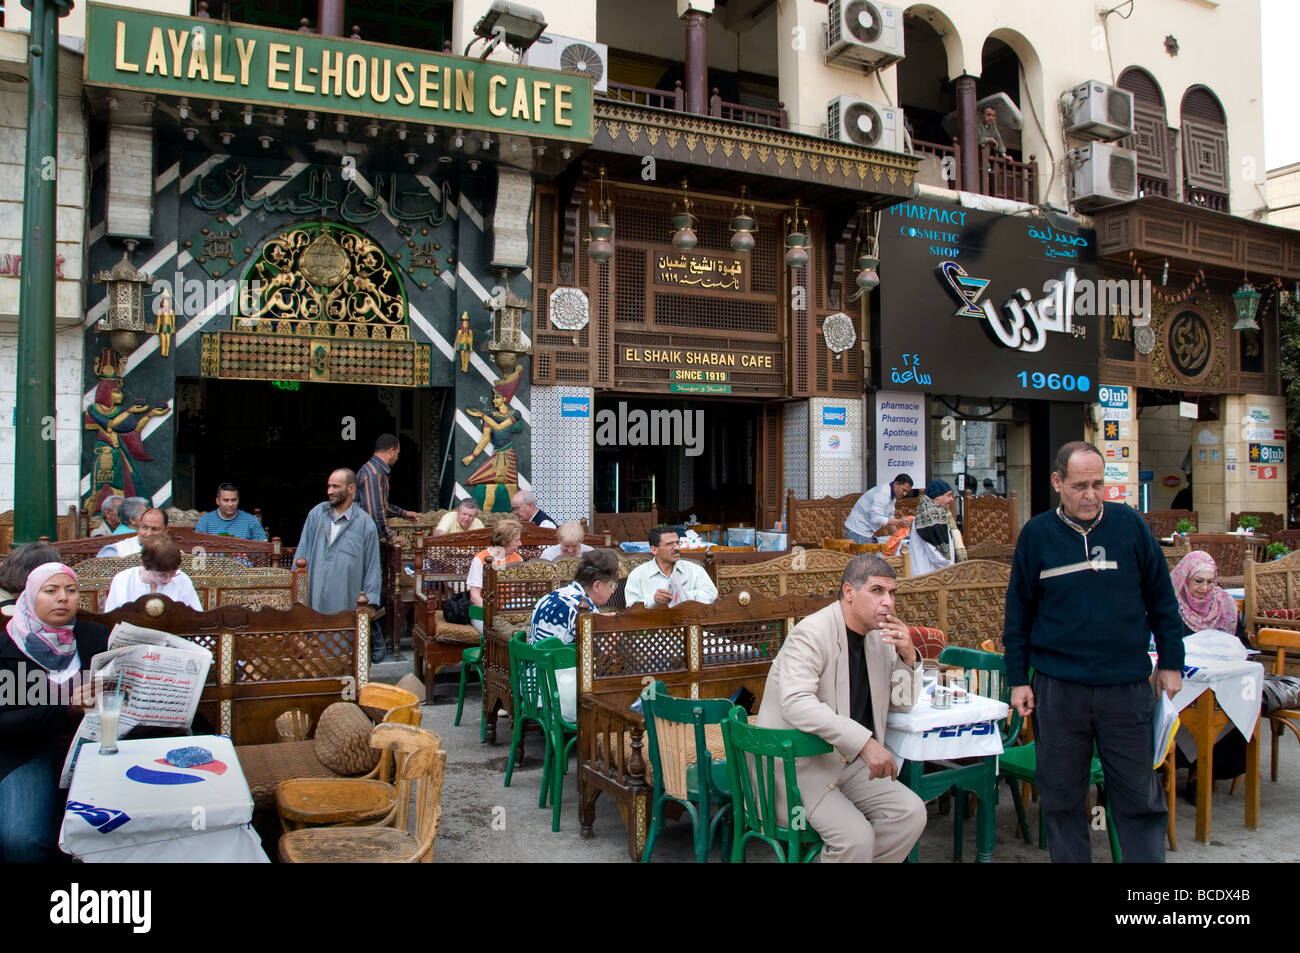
{"x": 719, "y": 108}
{"x": 1000, "y": 176}
{"x": 949, "y": 158}
{"x": 1148, "y": 185}
{"x": 1214, "y": 201}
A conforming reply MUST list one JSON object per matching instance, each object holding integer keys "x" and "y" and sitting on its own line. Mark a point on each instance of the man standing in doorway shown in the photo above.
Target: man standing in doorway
{"x": 341, "y": 547}
{"x": 1089, "y": 587}
{"x": 372, "y": 485}
{"x": 668, "y": 579}
{"x": 228, "y": 519}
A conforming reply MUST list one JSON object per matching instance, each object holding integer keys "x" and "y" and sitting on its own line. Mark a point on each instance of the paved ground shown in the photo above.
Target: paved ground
{"x": 484, "y": 821}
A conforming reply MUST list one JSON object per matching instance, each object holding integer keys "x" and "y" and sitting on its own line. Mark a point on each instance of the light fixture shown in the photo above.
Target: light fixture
{"x": 487, "y": 143}
{"x": 540, "y": 150}
{"x": 372, "y": 129}
{"x": 743, "y": 224}
{"x": 458, "y": 140}
{"x": 430, "y": 135}
{"x": 1164, "y": 275}
{"x": 311, "y": 122}
{"x": 796, "y": 238}
{"x": 214, "y": 112}
{"x": 683, "y": 222}
{"x": 123, "y": 319}
{"x": 113, "y": 102}
{"x": 265, "y": 141}
{"x": 149, "y": 106}
{"x": 410, "y": 158}
{"x": 340, "y": 126}
{"x": 867, "y": 279}
{"x": 508, "y": 344}
{"x": 600, "y": 247}
{"x": 183, "y": 109}
{"x": 227, "y": 138}
{"x": 1246, "y": 300}
{"x": 473, "y": 165}
{"x": 190, "y": 133}
{"x": 444, "y": 159}
{"x": 515, "y": 24}
{"x": 248, "y": 115}
{"x": 566, "y": 153}
{"x": 401, "y": 132}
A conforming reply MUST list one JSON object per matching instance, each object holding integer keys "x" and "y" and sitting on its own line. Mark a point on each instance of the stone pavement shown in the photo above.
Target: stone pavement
{"x": 485, "y": 822}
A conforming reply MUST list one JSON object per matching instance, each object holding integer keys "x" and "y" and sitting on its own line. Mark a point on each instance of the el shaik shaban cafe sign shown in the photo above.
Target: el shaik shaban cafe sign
{"x": 213, "y": 59}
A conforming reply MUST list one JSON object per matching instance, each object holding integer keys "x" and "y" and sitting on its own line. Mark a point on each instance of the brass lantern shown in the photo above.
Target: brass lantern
{"x": 1246, "y": 301}
{"x": 124, "y": 320}
{"x": 796, "y": 238}
{"x": 507, "y": 343}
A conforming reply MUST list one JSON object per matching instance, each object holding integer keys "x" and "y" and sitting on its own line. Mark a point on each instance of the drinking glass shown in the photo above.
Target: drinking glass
{"x": 108, "y": 704}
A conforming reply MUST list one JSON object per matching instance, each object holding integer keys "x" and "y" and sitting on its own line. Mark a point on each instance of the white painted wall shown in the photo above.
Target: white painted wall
{"x": 1284, "y": 190}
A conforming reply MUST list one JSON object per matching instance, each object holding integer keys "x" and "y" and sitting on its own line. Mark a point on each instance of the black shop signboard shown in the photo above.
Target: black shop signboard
{"x": 981, "y": 304}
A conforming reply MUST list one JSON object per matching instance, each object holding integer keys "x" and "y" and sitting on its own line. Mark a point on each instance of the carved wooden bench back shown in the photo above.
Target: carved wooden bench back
{"x": 967, "y": 601}
{"x": 1269, "y": 523}
{"x": 991, "y": 519}
{"x": 1270, "y": 587}
{"x": 218, "y": 581}
{"x": 1164, "y": 523}
{"x": 254, "y": 553}
{"x": 627, "y": 527}
{"x": 804, "y": 573}
{"x": 265, "y": 662}
{"x": 811, "y": 521}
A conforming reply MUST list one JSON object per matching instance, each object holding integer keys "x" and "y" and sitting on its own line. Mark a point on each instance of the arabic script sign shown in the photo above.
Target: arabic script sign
{"x": 700, "y": 271}
{"x": 211, "y": 59}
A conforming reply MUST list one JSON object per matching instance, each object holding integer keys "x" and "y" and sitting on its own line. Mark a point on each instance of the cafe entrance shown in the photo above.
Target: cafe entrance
{"x": 689, "y": 456}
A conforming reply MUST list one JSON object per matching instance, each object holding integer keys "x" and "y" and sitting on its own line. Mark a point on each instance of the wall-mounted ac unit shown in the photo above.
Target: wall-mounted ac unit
{"x": 863, "y": 33}
{"x": 864, "y": 124}
{"x": 1097, "y": 111}
{"x": 1102, "y": 174}
{"x": 553, "y": 51}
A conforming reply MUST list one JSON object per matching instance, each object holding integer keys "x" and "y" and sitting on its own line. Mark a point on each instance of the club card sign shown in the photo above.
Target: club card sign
{"x": 976, "y": 304}
{"x": 1115, "y": 404}
{"x": 212, "y": 59}
{"x": 900, "y": 435}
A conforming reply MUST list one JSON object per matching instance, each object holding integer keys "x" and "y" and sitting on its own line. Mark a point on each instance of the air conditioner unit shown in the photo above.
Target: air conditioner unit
{"x": 864, "y": 124}
{"x": 553, "y": 51}
{"x": 863, "y": 33}
{"x": 1102, "y": 174}
{"x": 1097, "y": 111}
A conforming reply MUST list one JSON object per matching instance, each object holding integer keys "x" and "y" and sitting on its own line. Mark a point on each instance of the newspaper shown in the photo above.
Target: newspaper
{"x": 162, "y": 678}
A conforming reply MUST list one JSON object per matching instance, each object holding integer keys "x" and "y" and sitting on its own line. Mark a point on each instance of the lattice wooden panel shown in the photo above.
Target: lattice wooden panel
{"x": 294, "y": 656}
{"x": 1149, "y": 141}
{"x": 741, "y": 642}
{"x": 1205, "y": 156}
{"x": 255, "y": 598}
{"x": 811, "y": 521}
{"x": 640, "y": 651}
{"x": 989, "y": 519}
{"x": 967, "y": 601}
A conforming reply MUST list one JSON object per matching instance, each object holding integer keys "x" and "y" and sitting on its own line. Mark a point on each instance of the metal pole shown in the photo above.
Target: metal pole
{"x": 697, "y": 62}
{"x": 34, "y": 457}
{"x": 968, "y": 134}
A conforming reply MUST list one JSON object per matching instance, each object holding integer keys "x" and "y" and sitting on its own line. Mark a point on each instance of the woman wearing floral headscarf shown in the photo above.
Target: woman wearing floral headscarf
{"x": 43, "y": 648}
{"x": 935, "y": 541}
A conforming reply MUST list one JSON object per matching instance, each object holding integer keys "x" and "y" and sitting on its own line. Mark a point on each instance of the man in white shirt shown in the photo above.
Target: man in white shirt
{"x": 873, "y": 514}
{"x": 668, "y": 579}
{"x": 152, "y": 522}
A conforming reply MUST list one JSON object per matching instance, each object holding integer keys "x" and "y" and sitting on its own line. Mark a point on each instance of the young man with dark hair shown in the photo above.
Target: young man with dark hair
{"x": 1089, "y": 587}
{"x": 668, "y": 579}
{"x": 372, "y": 485}
{"x": 228, "y": 519}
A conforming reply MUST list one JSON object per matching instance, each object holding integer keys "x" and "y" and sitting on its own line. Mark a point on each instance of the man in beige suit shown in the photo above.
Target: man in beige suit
{"x": 838, "y": 675}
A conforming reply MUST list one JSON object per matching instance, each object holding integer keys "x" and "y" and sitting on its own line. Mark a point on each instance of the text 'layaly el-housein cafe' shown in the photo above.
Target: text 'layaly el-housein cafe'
{"x": 993, "y": 318}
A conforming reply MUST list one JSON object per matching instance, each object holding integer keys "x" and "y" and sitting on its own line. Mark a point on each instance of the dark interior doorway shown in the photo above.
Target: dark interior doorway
{"x": 717, "y": 484}
{"x": 279, "y": 445}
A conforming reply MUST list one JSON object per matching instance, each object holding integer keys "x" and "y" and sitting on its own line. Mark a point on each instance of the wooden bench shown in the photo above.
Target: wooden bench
{"x": 697, "y": 651}
{"x": 808, "y": 522}
{"x": 967, "y": 601}
{"x": 1272, "y": 594}
{"x": 1269, "y": 523}
{"x": 264, "y": 662}
{"x": 251, "y": 552}
{"x": 441, "y": 567}
{"x": 1230, "y": 551}
{"x": 990, "y": 526}
{"x": 626, "y": 527}
{"x": 218, "y": 581}
{"x": 1164, "y": 523}
{"x": 509, "y": 597}
{"x": 66, "y": 526}
{"x": 803, "y": 573}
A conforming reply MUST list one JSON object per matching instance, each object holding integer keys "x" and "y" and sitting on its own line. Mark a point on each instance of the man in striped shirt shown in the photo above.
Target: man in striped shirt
{"x": 372, "y": 485}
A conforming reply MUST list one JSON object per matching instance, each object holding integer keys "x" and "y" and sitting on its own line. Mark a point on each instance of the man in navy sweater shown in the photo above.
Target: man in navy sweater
{"x": 1089, "y": 587}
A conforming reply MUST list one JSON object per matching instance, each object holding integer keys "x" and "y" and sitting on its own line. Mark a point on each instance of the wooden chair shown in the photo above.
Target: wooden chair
{"x": 1289, "y": 536}
{"x": 250, "y": 552}
{"x": 370, "y": 799}
{"x": 1269, "y": 523}
{"x": 1279, "y": 719}
{"x": 401, "y": 842}
{"x": 1229, "y": 551}
{"x": 967, "y": 601}
{"x": 626, "y": 527}
{"x": 990, "y": 519}
{"x": 1273, "y": 594}
{"x": 808, "y": 522}
{"x": 1164, "y": 523}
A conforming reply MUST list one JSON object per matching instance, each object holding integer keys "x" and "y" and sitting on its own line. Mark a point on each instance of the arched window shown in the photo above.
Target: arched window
{"x": 1151, "y": 138}
{"x": 1205, "y": 149}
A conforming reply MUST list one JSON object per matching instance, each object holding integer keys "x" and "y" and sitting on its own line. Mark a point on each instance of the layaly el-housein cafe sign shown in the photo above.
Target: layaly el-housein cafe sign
{"x": 987, "y": 305}
{"x": 212, "y": 59}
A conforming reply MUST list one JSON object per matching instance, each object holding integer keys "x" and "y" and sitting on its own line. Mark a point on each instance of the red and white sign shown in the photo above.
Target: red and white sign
{"x": 1116, "y": 492}
{"x": 1171, "y": 481}
{"x": 1268, "y": 473}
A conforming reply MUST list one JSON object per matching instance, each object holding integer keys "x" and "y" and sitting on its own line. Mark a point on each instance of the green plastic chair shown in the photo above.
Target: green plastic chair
{"x": 698, "y": 785}
{"x": 752, "y": 757}
{"x": 1018, "y": 763}
{"x": 471, "y": 660}
{"x": 536, "y": 698}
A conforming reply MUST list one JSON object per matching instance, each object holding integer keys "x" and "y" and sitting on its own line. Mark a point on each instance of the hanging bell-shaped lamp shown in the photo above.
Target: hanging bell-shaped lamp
{"x": 796, "y": 238}
{"x": 600, "y": 244}
{"x": 743, "y": 225}
{"x": 683, "y": 222}
{"x": 867, "y": 279}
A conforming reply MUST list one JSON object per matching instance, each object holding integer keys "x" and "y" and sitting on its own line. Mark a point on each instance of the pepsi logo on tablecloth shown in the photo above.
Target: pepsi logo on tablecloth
{"x": 178, "y": 762}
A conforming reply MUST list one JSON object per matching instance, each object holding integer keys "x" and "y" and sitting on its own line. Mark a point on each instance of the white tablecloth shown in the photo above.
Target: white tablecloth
{"x": 1238, "y": 688}
{"x": 930, "y": 734}
{"x": 134, "y": 806}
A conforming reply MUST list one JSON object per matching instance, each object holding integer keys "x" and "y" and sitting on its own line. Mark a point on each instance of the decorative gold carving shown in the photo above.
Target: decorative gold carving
{"x": 814, "y": 162}
{"x": 798, "y": 160}
{"x": 615, "y": 128}
{"x": 242, "y": 356}
{"x": 1164, "y": 372}
{"x": 210, "y": 360}
{"x": 633, "y": 133}
{"x": 324, "y": 262}
{"x": 653, "y": 135}
{"x": 892, "y": 173}
{"x": 782, "y": 155}
{"x": 830, "y": 165}
{"x": 710, "y": 144}
{"x": 691, "y": 140}
{"x": 673, "y": 136}
{"x": 728, "y": 147}
{"x": 763, "y": 153}
{"x": 746, "y": 150}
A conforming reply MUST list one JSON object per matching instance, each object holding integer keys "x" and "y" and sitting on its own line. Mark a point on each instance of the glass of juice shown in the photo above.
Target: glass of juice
{"x": 108, "y": 704}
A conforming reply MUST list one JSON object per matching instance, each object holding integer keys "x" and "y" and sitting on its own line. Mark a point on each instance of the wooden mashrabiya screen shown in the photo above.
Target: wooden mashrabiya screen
{"x": 218, "y": 581}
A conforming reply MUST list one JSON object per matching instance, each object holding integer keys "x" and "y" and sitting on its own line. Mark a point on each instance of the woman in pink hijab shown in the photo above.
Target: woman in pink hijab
{"x": 43, "y": 649}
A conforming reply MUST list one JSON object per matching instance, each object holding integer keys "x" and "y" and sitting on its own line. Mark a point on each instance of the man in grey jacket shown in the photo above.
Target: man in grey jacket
{"x": 838, "y": 675}
{"x": 341, "y": 546}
